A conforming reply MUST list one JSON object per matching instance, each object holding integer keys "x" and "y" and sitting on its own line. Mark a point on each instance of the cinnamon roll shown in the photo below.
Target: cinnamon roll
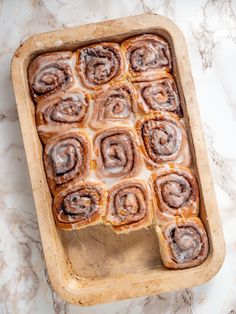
{"x": 159, "y": 95}
{"x": 129, "y": 206}
{"x": 117, "y": 153}
{"x": 175, "y": 193}
{"x": 164, "y": 139}
{"x": 50, "y": 73}
{"x": 146, "y": 55}
{"x": 79, "y": 205}
{"x": 183, "y": 243}
{"x": 66, "y": 157}
{"x": 62, "y": 112}
{"x": 100, "y": 64}
{"x": 117, "y": 103}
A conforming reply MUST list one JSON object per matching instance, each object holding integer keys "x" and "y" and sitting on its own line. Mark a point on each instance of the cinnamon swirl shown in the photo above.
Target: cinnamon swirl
{"x": 50, "y": 73}
{"x": 66, "y": 158}
{"x": 62, "y": 112}
{"x": 117, "y": 153}
{"x": 183, "y": 243}
{"x": 164, "y": 139}
{"x": 175, "y": 193}
{"x": 117, "y": 103}
{"x": 160, "y": 94}
{"x": 100, "y": 64}
{"x": 129, "y": 206}
{"x": 146, "y": 55}
{"x": 79, "y": 205}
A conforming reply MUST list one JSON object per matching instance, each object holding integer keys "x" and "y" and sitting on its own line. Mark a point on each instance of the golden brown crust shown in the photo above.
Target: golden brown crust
{"x": 129, "y": 206}
{"x": 146, "y": 55}
{"x": 50, "y": 73}
{"x": 113, "y": 104}
{"x": 66, "y": 158}
{"x": 62, "y": 112}
{"x": 164, "y": 139}
{"x": 160, "y": 94}
{"x": 176, "y": 193}
{"x": 117, "y": 153}
{"x": 100, "y": 64}
{"x": 183, "y": 243}
{"x": 79, "y": 205}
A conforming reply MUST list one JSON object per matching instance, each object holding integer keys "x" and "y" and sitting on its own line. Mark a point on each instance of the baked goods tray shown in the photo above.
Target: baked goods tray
{"x": 95, "y": 265}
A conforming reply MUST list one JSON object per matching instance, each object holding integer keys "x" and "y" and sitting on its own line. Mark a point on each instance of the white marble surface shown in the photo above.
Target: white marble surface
{"x": 210, "y": 31}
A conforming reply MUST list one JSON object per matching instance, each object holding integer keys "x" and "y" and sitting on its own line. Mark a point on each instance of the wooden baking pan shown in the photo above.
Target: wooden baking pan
{"x": 94, "y": 265}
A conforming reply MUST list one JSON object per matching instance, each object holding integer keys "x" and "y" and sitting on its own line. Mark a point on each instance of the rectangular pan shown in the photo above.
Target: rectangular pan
{"x": 94, "y": 265}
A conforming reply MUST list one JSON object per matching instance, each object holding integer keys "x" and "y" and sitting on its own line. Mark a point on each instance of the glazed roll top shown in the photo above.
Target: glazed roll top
{"x": 117, "y": 103}
{"x": 176, "y": 193}
{"x": 79, "y": 205}
{"x": 146, "y": 55}
{"x": 160, "y": 94}
{"x": 183, "y": 243}
{"x": 117, "y": 152}
{"x": 164, "y": 139}
{"x": 99, "y": 64}
{"x": 129, "y": 206}
{"x": 66, "y": 158}
{"x": 50, "y": 73}
{"x": 62, "y": 112}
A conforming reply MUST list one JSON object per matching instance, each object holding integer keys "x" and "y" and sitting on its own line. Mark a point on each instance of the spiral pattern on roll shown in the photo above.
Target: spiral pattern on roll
{"x": 100, "y": 64}
{"x": 117, "y": 153}
{"x": 50, "y": 73}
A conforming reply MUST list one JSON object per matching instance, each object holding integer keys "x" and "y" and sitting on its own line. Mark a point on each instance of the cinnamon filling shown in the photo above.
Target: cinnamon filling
{"x": 101, "y": 64}
{"x": 69, "y": 110}
{"x": 51, "y": 78}
{"x": 83, "y": 202}
{"x": 186, "y": 244}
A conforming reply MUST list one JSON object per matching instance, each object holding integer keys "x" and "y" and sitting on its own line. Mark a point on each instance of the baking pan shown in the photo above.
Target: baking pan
{"x": 94, "y": 265}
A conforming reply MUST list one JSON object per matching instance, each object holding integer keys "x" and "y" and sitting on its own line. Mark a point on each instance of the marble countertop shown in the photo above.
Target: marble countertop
{"x": 210, "y": 30}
